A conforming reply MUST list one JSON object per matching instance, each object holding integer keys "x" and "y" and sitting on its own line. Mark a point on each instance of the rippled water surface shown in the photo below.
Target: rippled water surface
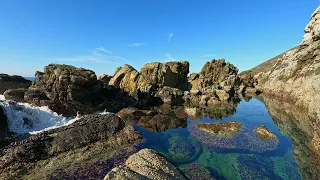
{"x": 241, "y": 156}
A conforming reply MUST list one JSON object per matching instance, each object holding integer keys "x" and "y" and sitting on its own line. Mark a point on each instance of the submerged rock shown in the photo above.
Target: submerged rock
{"x": 146, "y": 164}
{"x": 12, "y": 82}
{"x": 183, "y": 149}
{"x": 66, "y": 142}
{"x": 264, "y": 133}
{"x": 224, "y": 129}
{"x": 197, "y": 171}
{"x": 245, "y": 139}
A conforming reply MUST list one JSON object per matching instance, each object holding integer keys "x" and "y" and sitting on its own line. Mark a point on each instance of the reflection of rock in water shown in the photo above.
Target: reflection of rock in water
{"x": 162, "y": 122}
{"x": 257, "y": 167}
{"x": 246, "y": 139}
{"x": 197, "y": 171}
{"x": 183, "y": 149}
{"x": 213, "y": 112}
{"x": 304, "y": 132}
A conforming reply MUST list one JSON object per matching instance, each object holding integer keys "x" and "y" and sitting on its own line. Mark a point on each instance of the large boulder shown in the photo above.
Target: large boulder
{"x": 146, "y": 164}
{"x": 88, "y": 132}
{"x": 12, "y": 82}
{"x": 15, "y": 94}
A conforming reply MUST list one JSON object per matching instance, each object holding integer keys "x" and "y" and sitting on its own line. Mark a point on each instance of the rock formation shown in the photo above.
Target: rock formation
{"x": 295, "y": 76}
{"x": 145, "y": 84}
{"x": 146, "y": 164}
{"x": 90, "y": 131}
{"x": 12, "y": 82}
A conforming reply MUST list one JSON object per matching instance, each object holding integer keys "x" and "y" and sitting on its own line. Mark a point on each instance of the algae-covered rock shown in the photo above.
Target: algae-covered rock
{"x": 264, "y": 133}
{"x": 224, "y": 129}
{"x": 197, "y": 171}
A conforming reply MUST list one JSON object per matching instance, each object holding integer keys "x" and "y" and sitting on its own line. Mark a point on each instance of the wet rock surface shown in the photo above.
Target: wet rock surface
{"x": 162, "y": 122}
{"x": 224, "y": 129}
{"x": 264, "y": 133}
{"x": 146, "y": 164}
{"x": 12, "y": 82}
{"x": 108, "y": 129}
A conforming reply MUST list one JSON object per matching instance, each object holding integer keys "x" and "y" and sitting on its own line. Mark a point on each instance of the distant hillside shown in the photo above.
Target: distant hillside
{"x": 267, "y": 65}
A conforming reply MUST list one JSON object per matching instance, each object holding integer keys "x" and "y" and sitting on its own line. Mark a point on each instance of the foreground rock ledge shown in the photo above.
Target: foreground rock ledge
{"x": 21, "y": 158}
{"x": 146, "y": 164}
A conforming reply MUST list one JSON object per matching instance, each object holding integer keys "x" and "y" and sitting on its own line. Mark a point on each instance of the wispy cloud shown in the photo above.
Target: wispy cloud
{"x": 168, "y": 58}
{"x": 97, "y": 55}
{"x": 170, "y": 36}
{"x": 137, "y": 44}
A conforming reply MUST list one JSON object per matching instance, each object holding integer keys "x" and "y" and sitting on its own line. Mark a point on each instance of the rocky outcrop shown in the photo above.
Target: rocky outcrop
{"x": 107, "y": 129}
{"x": 69, "y": 90}
{"x": 224, "y": 129}
{"x": 144, "y": 84}
{"x": 146, "y": 164}
{"x": 296, "y": 75}
{"x": 264, "y": 133}
{"x": 12, "y": 82}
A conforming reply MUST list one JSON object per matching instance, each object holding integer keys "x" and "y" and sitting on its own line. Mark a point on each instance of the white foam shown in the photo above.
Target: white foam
{"x": 25, "y": 118}
{"x": 2, "y": 98}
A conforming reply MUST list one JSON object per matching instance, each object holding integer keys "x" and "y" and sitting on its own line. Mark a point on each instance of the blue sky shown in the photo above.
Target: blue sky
{"x": 103, "y": 35}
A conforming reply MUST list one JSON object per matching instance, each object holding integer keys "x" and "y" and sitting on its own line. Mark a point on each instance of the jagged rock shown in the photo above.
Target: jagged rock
{"x": 223, "y": 95}
{"x": 264, "y": 133}
{"x": 105, "y": 79}
{"x": 12, "y": 82}
{"x": 108, "y": 129}
{"x": 169, "y": 95}
{"x": 146, "y": 164}
{"x": 224, "y": 129}
{"x": 15, "y": 94}
{"x": 162, "y": 122}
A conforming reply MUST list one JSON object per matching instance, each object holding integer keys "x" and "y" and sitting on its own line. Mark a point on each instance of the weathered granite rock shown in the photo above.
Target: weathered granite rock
{"x": 296, "y": 75}
{"x": 224, "y": 129}
{"x": 12, "y": 82}
{"x": 89, "y": 131}
{"x": 162, "y": 122}
{"x": 146, "y": 164}
{"x": 264, "y": 133}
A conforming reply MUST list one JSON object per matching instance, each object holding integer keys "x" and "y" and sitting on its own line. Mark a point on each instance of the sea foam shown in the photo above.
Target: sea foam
{"x": 26, "y": 118}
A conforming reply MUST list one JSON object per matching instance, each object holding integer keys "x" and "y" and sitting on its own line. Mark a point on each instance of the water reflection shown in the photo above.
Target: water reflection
{"x": 304, "y": 132}
{"x": 239, "y": 156}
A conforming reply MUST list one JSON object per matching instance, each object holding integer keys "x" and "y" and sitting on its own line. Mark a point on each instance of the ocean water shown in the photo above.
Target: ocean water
{"x": 241, "y": 156}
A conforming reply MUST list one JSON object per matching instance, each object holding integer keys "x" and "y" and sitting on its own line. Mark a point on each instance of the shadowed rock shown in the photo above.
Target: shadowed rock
{"x": 12, "y": 82}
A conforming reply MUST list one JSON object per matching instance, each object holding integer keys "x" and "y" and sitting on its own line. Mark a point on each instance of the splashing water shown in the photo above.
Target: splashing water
{"x": 25, "y": 118}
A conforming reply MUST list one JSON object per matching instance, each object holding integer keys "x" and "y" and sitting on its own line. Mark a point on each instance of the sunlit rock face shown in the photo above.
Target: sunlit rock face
{"x": 296, "y": 75}
{"x": 264, "y": 133}
{"x": 304, "y": 131}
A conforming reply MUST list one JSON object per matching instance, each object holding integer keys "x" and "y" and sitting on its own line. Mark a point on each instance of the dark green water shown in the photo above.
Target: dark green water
{"x": 241, "y": 156}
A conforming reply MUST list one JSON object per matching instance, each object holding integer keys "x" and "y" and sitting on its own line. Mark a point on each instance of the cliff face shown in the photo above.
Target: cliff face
{"x": 296, "y": 75}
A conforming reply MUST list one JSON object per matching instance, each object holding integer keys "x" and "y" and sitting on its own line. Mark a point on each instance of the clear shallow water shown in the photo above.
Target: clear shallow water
{"x": 242, "y": 156}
